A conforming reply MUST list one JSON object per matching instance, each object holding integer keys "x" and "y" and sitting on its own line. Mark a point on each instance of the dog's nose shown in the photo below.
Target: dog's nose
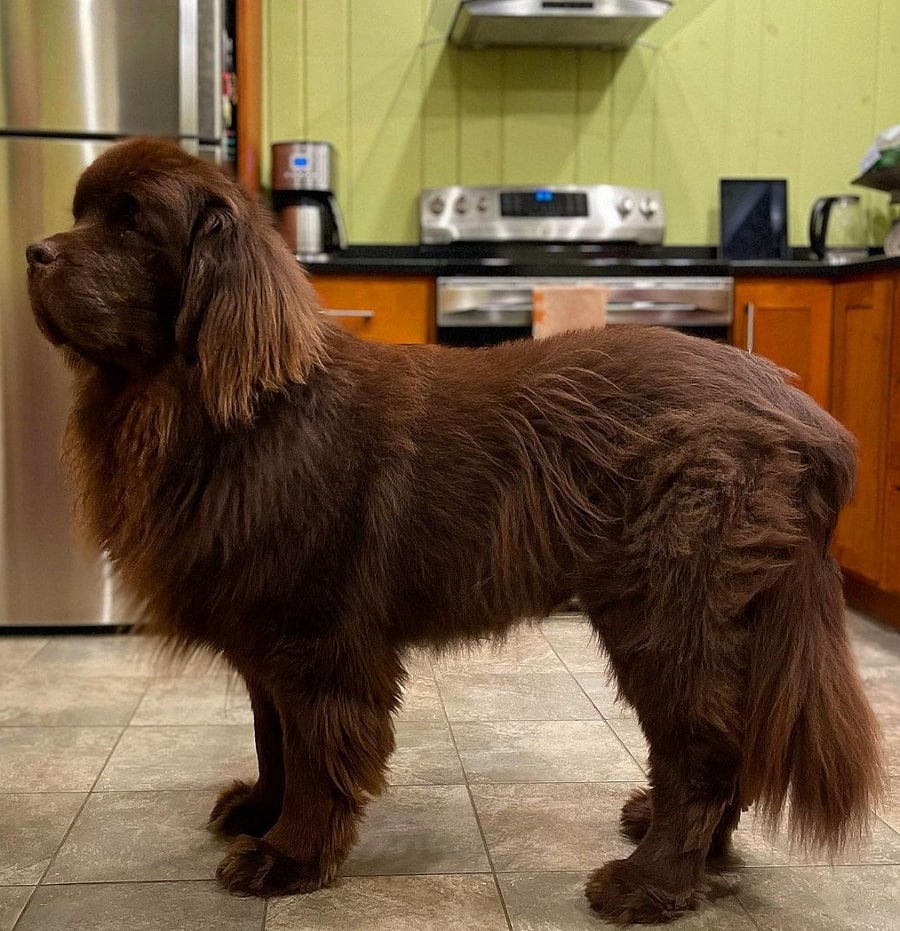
{"x": 41, "y": 253}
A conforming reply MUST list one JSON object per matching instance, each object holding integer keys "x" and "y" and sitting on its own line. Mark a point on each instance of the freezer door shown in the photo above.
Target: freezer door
{"x": 104, "y": 67}
{"x": 46, "y": 577}
{"x": 211, "y": 23}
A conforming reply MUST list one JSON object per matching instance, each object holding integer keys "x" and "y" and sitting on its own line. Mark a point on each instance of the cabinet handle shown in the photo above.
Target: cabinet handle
{"x": 751, "y": 324}
{"x": 358, "y": 314}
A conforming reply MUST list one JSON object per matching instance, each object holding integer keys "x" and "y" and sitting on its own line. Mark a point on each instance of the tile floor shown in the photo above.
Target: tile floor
{"x": 109, "y": 764}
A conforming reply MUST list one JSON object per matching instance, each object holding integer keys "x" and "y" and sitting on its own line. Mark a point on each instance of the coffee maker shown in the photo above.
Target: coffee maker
{"x": 302, "y": 197}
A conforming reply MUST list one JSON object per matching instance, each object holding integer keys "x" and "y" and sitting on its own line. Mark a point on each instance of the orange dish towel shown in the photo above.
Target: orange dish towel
{"x": 578, "y": 307}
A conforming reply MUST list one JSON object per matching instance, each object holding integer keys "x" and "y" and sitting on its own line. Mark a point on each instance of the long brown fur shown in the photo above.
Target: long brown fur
{"x": 310, "y": 505}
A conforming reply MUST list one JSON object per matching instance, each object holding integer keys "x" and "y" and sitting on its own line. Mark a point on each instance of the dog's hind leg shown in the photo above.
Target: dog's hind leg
{"x": 689, "y": 712}
{"x": 637, "y": 816}
{"x": 243, "y": 808}
{"x": 337, "y": 735}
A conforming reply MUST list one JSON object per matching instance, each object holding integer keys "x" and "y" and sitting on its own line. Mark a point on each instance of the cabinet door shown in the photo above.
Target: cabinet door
{"x": 383, "y": 308}
{"x": 862, "y": 345}
{"x": 890, "y": 574}
{"x": 789, "y": 322}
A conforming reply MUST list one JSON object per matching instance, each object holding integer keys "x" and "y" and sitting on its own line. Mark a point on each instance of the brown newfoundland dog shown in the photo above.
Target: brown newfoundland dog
{"x": 310, "y": 505}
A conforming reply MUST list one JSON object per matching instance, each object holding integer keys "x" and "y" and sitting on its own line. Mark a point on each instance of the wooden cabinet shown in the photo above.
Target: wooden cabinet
{"x": 843, "y": 342}
{"x": 863, "y": 313}
{"x": 790, "y": 322}
{"x": 890, "y": 573}
{"x": 385, "y": 308}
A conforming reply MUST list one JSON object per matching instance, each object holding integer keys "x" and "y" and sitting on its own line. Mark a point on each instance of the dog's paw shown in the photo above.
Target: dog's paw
{"x": 623, "y": 894}
{"x": 239, "y": 811}
{"x": 255, "y": 867}
{"x": 637, "y": 813}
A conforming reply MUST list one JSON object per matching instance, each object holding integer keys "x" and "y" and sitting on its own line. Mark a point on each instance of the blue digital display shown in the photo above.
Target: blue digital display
{"x": 543, "y": 197}
{"x": 299, "y": 161}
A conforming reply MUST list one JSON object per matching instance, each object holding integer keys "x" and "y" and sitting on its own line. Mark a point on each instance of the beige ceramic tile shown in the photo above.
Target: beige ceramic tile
{"x": 882, "y": 688}
{"x": 53, "y": 759}
{"x": 628, "y": 730}
{"x": 100, "y": 655}
{"x": 418, "y": 662}
{"x": 425, "y": 755}
{"x": 524, "y": 649}
{"x": 185, "y": 906}
{"x": 519, "y": 696}
{"x": 861, "y": 898}
{"x": 575, "y": 644}
{"x": 603, "y": 694}
{"x": 16, "y": 650}
{"x": 556, "y": 902}
{"x": 419, "y": 829}
{"x": 12, "y": 901}
{"x": 32, "y": 827}
{"x": 195, "y": 700}
{"x": 158, "y": 758}
{"x": 552, "y": 827}
{"x": 42, "y": 698}
{"x": 138, "y": 837}
{"x": 421, "y": 700}
{"x": 394, "y": 903}
{"x": 890, "y": 807}
{"x": 874, "y": 643}
{"x": 757, "y": 846}
{"x": 543, "y": 751}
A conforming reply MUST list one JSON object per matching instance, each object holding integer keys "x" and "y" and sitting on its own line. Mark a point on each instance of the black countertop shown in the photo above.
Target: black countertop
{"x": 585, "y": 261}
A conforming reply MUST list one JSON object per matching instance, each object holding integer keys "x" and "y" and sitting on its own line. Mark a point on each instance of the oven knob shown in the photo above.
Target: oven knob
{"x": 484, "y": 203}
{"x": 462, "y": 204}
{"x": 436, "y": 205}
{"x": 625, "y": 206}
{"x": 649, "y": 207}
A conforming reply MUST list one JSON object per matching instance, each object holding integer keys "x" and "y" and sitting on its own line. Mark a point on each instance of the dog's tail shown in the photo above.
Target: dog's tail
{"x": 812, "y": 740}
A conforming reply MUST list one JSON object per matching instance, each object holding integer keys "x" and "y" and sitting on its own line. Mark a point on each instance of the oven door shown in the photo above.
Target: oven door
{"x": 479, "y": 311}
{"x": 679, "y": 302}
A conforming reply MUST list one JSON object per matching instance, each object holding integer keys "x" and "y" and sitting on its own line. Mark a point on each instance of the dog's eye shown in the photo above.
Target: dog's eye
{"x": 124, "y": 213}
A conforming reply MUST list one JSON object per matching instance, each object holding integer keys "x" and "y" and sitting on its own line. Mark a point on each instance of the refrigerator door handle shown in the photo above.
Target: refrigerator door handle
{"x": 210, "y": 29}
{"x": 188, "y": 69}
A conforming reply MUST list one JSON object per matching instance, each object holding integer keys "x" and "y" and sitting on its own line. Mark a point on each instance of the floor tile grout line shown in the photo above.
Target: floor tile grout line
{"x": 484, "y": 843}
{"x": 738, "y": 870}
{"x": 90, "y": 791}
{"x": 636, "y": 761}
{"x": 886, "y": 823}
{"x": 31, "y": 895}
{"x": 736, "y": 896}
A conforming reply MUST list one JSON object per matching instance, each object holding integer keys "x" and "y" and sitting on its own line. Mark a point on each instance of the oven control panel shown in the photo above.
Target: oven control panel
{"x": 548, "y": 213}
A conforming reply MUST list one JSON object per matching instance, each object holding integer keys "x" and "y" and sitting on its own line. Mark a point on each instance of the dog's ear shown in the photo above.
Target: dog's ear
{"x": 248, "y": 317}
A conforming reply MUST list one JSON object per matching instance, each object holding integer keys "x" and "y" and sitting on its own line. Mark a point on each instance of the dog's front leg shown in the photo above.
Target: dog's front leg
{"x": 335, "y": 748}
{"x": 243, "y": 808}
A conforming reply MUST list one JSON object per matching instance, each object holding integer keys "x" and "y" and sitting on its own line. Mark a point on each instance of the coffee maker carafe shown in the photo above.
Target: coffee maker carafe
{"x": 302, "y": 195}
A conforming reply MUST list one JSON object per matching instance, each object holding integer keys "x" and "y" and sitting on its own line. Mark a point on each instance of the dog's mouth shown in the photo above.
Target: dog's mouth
{"x": 48, "y": 327}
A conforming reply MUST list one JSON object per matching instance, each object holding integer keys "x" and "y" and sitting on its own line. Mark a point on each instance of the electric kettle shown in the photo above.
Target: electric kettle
{"x": 837, "y": 229}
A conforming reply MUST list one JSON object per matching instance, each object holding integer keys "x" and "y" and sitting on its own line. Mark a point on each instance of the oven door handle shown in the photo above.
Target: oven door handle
{"x": 490, "y": 307}
{"x": 650, "y": 306}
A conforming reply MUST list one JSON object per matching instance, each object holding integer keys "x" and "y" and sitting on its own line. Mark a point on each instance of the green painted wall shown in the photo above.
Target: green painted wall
{"x": 792, "y": 88}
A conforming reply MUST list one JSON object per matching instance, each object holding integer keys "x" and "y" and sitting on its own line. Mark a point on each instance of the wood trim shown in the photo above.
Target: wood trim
{"x": 890, "y": 572}
{"x": 870, "y": 599}
{"x": 249, "y": 44}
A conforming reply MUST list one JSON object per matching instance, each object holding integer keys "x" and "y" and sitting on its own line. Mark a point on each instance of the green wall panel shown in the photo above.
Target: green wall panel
{"x": 717, "y": 88}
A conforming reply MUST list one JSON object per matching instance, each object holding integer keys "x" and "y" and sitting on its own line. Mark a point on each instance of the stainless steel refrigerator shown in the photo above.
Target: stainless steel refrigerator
{"x": 75, "y": 75}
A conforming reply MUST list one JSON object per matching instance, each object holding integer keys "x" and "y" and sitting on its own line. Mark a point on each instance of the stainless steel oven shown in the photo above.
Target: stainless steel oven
{"x": 489, "y": 309}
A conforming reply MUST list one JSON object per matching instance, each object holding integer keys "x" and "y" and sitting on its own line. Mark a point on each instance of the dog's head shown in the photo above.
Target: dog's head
{"x": 169, "y": 261}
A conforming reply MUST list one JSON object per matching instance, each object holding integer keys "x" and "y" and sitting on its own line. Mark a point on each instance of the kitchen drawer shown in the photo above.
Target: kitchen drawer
{"x": 384, "y": 308}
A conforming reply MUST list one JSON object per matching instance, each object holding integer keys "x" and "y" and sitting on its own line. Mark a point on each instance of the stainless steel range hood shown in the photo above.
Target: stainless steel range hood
{"x": 586, "y": 23}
